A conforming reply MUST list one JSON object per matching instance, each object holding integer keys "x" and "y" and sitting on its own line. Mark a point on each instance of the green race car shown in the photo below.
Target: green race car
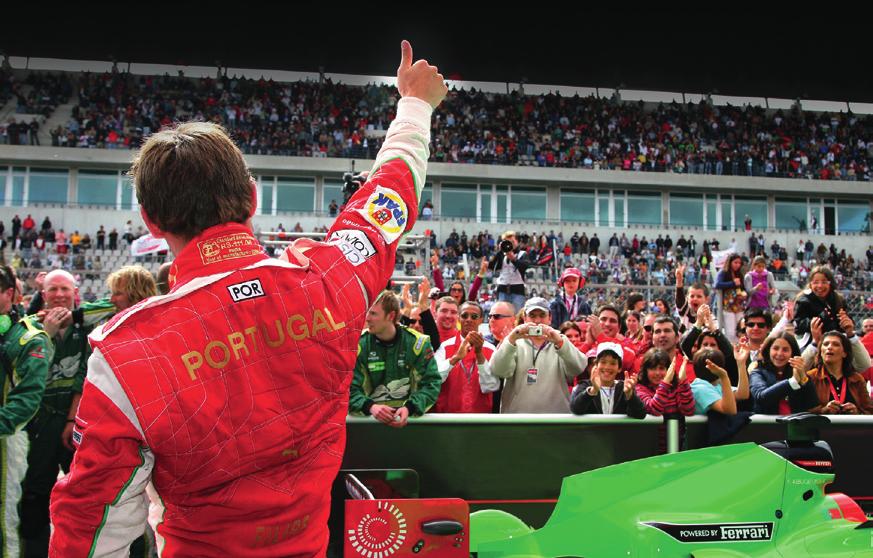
{"x": 741, "y": 500}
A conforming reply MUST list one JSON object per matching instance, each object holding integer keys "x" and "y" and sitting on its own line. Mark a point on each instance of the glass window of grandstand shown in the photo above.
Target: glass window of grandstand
{"x": 267, "y": 187}
{"x": 426, "y": 195}
{"x": 528, "y": 204}
{"x": 332, "y": 191}
{"x": 853, "y": 217}
{"x": 19, "y": 176}
{"x": 577, "y": 206}
{"x": 295, "y": 194}
{"x": 458, "y": 201}
{"x": 97, "y": 188}
{"x": 128, "y": 199}
{"x": 603, "y": 208}
{"x": 710, "y": 215}
{"x": 485, "y": 203}
{"x": 502, "y": 214}
{"x": 643, "y": 208}
{"x": 755, "y": 208}
{"x": 791, "y": 214}
{"x": 48, "y": 186}
{"x": 686, "y": 210}
{"x": 4, "y": 177}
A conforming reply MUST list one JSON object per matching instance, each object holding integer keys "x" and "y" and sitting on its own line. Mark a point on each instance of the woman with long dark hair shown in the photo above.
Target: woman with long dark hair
{"x": 777, "y": 388}
{"x": 819, "y": 300}
{"x": 732, "y": 295}
{"x": 840, "y": 389}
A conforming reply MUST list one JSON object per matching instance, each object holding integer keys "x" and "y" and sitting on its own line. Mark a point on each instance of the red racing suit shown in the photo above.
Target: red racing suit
{"x": 227, "y": 398}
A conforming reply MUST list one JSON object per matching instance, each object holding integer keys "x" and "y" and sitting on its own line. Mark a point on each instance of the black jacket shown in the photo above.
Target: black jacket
{"x": 583, "y": 404}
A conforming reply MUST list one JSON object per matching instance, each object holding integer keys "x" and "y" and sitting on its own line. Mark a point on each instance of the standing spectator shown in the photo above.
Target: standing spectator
{"x": 28, "y": 224}
{"x": 747, "y": 221}
{"x": 601, "y": 395}
{"x": 731, "y": 295}
{"x": 332, "y": 208}
{"x": 760, "y": 285}
{"x": 46, "y": 224}
{"x": 113, "y": 239}
{"x": 819, "y": 300}
{"x": 129, "y": 285}
{"x": 594, "y": 245}
{"x": 698, "y": 294}
{"x": 569, "y": 304}
{"x": 510, "y": 265}
{"x": 463, "y": 365}
{"x": 613, "y": 245}
{"x": 447, "y": 317}
{"x": 101, "y": 238}
{"x": 16, "y": 226}
{"x": 712, "y": 388}
{"x": 777, "y": 387}
{"x": 839, "y": 388}
{"x": 538, "y": 363}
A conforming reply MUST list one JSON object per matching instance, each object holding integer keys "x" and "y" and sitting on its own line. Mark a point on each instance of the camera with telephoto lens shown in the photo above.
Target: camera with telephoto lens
{"x": 506, "y": 246}
{"x": 351, "y": 183}
{"x": 535, "y": 331}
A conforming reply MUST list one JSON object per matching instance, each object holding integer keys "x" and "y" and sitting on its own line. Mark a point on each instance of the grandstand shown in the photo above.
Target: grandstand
{"x": 544, "y": 186}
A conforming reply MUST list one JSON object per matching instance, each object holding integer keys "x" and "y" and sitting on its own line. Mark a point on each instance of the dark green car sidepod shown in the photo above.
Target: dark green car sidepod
{"x": 728, "y": 502}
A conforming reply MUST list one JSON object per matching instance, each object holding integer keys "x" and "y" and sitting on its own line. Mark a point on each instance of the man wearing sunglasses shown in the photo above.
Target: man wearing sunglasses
{"x": 25, "y": 360}
{"x": 462, "y": 362}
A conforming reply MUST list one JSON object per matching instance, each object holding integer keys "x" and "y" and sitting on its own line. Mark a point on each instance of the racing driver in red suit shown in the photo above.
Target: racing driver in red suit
{"x": 225, "y": 400}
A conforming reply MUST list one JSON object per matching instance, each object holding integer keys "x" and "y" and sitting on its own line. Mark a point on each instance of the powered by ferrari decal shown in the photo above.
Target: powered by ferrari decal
{"x": 716, "y": 532}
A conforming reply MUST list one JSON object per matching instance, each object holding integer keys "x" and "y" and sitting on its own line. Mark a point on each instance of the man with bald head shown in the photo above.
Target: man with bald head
{"x": 51, "y": 428}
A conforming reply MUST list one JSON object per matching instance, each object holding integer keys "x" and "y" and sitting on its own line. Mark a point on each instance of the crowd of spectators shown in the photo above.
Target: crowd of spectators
{"x": 38, "y": 96}
{"x": 116, "y": 110}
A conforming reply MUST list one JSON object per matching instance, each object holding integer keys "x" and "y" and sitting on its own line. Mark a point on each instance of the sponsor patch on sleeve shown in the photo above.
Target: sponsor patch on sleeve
{"x": 77, "y": 436}
{"x": 355, "y": 245}
{"x": 386, "y": 211}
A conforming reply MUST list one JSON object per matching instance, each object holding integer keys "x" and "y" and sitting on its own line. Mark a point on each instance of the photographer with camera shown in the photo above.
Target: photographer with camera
{"x": 538, "y": 363}
{"x": 510, "y": 265}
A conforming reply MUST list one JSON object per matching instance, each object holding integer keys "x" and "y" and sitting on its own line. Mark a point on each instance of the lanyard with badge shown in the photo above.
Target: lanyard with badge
{"x": 532, "y": 371}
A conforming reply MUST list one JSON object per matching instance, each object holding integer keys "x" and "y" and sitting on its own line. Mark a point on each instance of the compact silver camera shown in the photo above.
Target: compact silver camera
{"x": 535, "y": 331}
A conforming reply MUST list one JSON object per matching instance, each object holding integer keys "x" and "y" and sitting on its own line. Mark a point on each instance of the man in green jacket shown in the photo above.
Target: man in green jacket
{"x": 51, "y": 430}
{"x": 396, "y": 375}
{"x": 25, "y": 357}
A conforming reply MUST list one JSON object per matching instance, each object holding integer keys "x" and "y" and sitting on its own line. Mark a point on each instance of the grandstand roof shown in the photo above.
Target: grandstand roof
{"x": 698, "y": 50}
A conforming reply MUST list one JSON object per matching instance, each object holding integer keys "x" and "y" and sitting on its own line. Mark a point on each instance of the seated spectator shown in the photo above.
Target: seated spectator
{"x": 463, "y": 365}
{"x": 569, "y": 304}
{"x": 838, "y": 387}
{"x": 538, "y": 363}
{"x": 778, "y": 385}
{"x": 395, "y": 376}
{"x": 602, "y": 395}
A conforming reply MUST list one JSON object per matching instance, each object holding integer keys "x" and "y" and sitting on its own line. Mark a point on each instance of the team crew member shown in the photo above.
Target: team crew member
{"x": 395, "y": 375}
{"x": 27, "y": 353}
{"x": 228, "y": 396}
{"x": 51, "y": 430}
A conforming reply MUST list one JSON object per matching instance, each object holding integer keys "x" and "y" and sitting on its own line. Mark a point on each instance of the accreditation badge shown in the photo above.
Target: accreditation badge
{"x": 531, "y": 376}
